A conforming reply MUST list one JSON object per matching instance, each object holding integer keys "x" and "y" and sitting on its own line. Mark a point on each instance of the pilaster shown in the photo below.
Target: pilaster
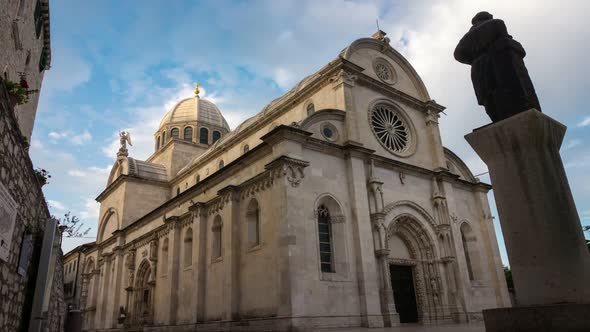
{"x": 368, "y": 279}
{"x": 231, "y": 257}
{"x": 343, "y": 83}
{"x": 432, "y": 116}
{"x": 287, "y": 175}
{"x": 174, "y": 240}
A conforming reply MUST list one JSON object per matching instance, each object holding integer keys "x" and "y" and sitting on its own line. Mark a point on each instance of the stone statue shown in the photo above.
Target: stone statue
{"x": 124, "y": 138}
{"x": 500, "y": 79}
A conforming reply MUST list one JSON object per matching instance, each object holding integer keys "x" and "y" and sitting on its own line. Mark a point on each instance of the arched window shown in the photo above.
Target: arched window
{"x": 198, "y": 179}
{"x": 253, "y": 220}
{"x": 216, "y": 245}
{"x": 246, "y": 148}
{"x": 175, "y": 133}
{"x": 216, "y": 136}
{"x": 177, "y": 191}
{"x": 188, "y": 247}
{"x": 158, "y": 143}
{"x": 471, "y": 251}
{"x": 310, "y": 109}
{"x": 163, "y": 138}
{"x": 188, "y": 133}
{"x": 325, "y": 238}
{"x": 204, "y": 136}
{"x": 164, "y": 264}
{"x": 221, "y": 164}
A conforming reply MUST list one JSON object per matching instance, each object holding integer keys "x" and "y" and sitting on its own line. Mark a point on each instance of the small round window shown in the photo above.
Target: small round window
{"x": 384, "y": 71}
{"x": 391, "y": 129}
{"x": 329, "y": 131}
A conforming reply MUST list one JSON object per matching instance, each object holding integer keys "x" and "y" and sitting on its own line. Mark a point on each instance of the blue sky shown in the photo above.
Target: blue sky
{"x": 121, "y": 65}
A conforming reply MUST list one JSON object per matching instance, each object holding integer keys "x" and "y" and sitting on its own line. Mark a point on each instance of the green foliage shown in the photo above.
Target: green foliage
{"x": 73, "y": 226}
{"x": 508, "y": 275}
{"x": 42, "y": 175}
{"x": 18, "y": 91}
{"x": 587, "y": 229}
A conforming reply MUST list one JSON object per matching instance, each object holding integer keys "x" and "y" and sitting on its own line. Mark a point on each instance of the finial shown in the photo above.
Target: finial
{"x": 197, "y": 89}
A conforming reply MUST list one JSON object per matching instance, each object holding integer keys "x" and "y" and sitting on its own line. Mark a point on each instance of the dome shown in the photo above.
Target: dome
{"x": 195, "y": 109}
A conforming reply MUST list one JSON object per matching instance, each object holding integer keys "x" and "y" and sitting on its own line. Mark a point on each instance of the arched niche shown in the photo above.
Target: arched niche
{"x": 109, "y": 223}
{"x": 253, "y": 223}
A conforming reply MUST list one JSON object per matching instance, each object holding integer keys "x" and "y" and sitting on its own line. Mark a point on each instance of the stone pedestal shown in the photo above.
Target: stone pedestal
{"x": 548, "y": 255}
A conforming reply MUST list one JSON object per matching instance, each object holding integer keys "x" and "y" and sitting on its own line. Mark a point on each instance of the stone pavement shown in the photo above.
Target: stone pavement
{"x": 420, "y": 328}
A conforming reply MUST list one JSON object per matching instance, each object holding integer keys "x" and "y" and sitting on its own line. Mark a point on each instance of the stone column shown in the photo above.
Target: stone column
{"x": 544, "y": 240}
{"x": 390, "y": 315}
{"x": 448, "y": 255}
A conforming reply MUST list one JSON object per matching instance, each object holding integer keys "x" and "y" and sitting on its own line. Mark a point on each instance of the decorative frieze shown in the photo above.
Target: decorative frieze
{"x": 289, "y": 168}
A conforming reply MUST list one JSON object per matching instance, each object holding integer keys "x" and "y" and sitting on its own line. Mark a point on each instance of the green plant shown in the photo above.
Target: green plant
{"x": 17, "y": 90}
{"x": 508, "y": 275}
{"x": 73, "y": 226}
{"x": 42, "y": 175}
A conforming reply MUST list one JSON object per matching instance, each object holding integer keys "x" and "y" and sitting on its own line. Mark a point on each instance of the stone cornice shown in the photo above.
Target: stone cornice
{"x": 397, "y": 95}
{"x": 276, "y": 109}
{"x": 122, "y": 178}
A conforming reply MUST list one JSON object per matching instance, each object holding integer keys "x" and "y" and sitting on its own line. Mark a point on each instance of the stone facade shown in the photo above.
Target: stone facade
{"x": 72, "y": 263}
{"x": 56, "y": 314}
{"x": 16, "y": 174}
{"x": 24, "y": 51}
{"x": 321, "y": 211}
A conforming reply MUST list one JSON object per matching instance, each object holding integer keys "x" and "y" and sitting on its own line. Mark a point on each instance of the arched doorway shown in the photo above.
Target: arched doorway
{"x": 143, "y": 295}
{"x": 414, "y": 271}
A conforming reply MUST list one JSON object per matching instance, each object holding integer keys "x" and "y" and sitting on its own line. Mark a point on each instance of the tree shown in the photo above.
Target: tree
{"x": 73, "y": 226}
{"x": 587, "y": 229}
{"x": 508, "y": 275}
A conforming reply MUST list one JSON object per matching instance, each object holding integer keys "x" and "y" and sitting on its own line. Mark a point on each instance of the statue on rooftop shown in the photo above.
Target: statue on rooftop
{"x": 124, "y": 138}
{"x": 500, "y": 79}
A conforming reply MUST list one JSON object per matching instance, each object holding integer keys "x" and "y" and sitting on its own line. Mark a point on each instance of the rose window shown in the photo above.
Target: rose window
{"x": 383, "y": 72}
{"x": 390, "y": 128}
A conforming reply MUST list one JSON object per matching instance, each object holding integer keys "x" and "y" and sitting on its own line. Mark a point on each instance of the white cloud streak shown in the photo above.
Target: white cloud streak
{"x": 585, "y": 122}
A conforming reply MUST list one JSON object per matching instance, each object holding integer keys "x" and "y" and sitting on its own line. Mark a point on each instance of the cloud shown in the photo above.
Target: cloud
{"x": 56, "y": 135}
{"x": 55, "y": 204}
{"x": 81, "y": 139}
{"x": 67, "y": 136}
{"x": 585, "y": 122}
{"x": 580, "y": 162}
{"x": 570, "y": 144}
{"x": 90, "y": 211}
{"x": 68, "y": 70}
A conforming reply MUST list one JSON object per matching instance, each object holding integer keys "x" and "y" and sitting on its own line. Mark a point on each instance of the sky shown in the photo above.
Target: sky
{"x": 120, "y": 65}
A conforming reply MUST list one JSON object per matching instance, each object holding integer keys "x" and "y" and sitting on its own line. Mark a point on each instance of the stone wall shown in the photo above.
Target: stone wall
{"x": 16, "y": 174}
{"x": 57, "y": 304}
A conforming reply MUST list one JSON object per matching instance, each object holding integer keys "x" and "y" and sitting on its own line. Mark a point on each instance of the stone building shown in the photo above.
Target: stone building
{"x": 336, "y": 205}
{"x": 31, "y": 278}
{"x": 25, "y": 52}
{"x": 72, "y": 263}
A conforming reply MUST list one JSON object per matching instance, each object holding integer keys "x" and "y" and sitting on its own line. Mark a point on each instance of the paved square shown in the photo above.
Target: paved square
{"x": 420, "y": 328}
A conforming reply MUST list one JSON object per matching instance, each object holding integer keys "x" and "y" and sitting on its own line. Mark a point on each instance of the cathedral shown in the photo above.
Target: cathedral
{"x": 335, "y": 206}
